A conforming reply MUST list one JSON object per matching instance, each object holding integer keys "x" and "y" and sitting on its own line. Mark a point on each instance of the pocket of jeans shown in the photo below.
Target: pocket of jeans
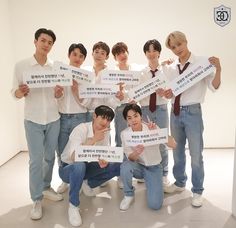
{"x": 196, "y": 109}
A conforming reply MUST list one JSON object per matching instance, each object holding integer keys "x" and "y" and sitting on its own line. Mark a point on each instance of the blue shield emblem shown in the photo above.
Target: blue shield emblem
{"x": 222, "y": 15}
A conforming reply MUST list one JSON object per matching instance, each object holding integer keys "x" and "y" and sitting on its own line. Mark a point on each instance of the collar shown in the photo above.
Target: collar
{"x": 34, "y": 62}
{"x": 191, "y": 59}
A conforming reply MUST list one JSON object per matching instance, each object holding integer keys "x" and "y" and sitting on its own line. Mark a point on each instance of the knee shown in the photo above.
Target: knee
{"x": 125, "y": 168}
{"x": 79, "y": 168}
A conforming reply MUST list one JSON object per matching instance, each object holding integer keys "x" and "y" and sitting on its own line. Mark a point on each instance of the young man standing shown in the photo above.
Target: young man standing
{"x": 41, "y": 120}
{"x": 100, "y": 54}
{"x": 121, "y": 55}
{"x": 72, "y": 113}
{"x": 186, "y": 117}
{"x": 154, "y": 107}
{"x": 95, "y": 173}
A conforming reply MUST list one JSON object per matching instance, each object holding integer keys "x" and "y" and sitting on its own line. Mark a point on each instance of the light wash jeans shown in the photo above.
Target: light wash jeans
{"x": 120, "y": 123}
{"x": 42, "y": 143}
{"x": 67, "y": 123}
{"x": 75, "y": 173}
{"x": 153, "y": 180}
{"x": 188, "y": 125}
{"x": 89, "y": 116}
{"x": 161, "y": 118}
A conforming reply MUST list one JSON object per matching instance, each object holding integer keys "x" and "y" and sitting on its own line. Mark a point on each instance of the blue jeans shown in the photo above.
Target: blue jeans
{"x": 42, "y": 143}
{"x": 188, "y": 126}
{"x": 89, "y": 116}
{"x": 153, "y": 180}
{"x": 161, "y": 118}
{"x": 68, "y": 122}
{"x": 120, "y": 123}
{"x": 75, "y": 173}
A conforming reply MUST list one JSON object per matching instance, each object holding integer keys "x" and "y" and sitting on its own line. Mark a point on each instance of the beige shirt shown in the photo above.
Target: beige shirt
{"x": 79, "y": 136}
{"x": 151, "y": 154}
{"x": 40, "y": 104}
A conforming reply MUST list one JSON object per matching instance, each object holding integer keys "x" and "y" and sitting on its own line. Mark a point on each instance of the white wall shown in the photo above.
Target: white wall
{"x": 9, "y": 121}
{"x": 134, "y": 22}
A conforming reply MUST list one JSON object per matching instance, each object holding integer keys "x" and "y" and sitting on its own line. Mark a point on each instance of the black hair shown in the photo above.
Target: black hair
{"x": 80, "y": 47}
{"x": 45, "y": 31}
{"x": 105, "y": 112}
{"x": 134, "y": 107}
{"x": 103, "y": 46}
{"x": 156, "y": 45}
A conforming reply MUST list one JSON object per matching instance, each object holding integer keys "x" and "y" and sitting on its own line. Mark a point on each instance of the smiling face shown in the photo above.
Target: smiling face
{"x": 179, "y": 48}
{"x": 99, "y": 56}
{"x": 43, "y": 44}
{"x": 152, "y": 54}
{"x": 134, "y": 120}
{"x": 122, "y": 58}
{"x": 76, "y": 58}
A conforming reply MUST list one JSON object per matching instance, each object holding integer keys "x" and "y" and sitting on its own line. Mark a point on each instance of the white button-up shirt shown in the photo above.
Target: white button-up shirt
{"x": 40, "y": 104}
{"x": 68, "y": 105}
{"x": 132, "y": 67}
{"x": 147, "y": 75}
{"x": 112, "y": 101}
{"x": 150, "y": 155}
{"x": 197, "y": 92}
{"x": 79, "y": 136}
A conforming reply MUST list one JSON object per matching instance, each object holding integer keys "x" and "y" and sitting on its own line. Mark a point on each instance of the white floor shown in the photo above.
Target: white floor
{"x": 103, "y": 210}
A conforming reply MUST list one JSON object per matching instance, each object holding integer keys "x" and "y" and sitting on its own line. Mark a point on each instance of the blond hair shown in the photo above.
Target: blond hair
{"x": 176, "y": 36}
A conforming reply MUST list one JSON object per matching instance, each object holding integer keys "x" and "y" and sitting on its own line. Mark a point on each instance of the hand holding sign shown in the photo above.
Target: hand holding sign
{"x": 22, "y": 91}
{"x": 58, "y": 91}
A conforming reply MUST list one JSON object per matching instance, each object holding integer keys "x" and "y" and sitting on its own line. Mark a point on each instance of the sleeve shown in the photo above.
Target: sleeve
{"x": 16, "y": 82}
{"x": 208, "y": 80}
{"x": 77, "y": 137}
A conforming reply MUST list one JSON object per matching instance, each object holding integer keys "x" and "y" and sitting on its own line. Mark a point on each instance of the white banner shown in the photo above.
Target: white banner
{"x": 80, "y": 75}
{"x": 191, "y": 76}
{"x": 145, "y": 89}
{"x": 93, "y": 153}
{"x": 146, "y": 138}
{"x": 120, "y": 76}
{"x": 40, "y": 79}
{"x": 98, "y": 91}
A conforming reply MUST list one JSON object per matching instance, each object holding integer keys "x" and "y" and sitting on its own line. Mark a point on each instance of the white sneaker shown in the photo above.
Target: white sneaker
{"x": 62, "y": 188}
{"x": 197, "y": 200}
{"x": 74, "y": 215}
{"x": 120, "y": 183}
{"x": 52, "y": 195}
{"x": 126, "y": 202}
{"x": 165, "y": 181}
{"x": 87, "y": 190}
{"x": 36, "y": 211}
{"x": 140, "y": 181}
{"x": 173, "y": 188}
